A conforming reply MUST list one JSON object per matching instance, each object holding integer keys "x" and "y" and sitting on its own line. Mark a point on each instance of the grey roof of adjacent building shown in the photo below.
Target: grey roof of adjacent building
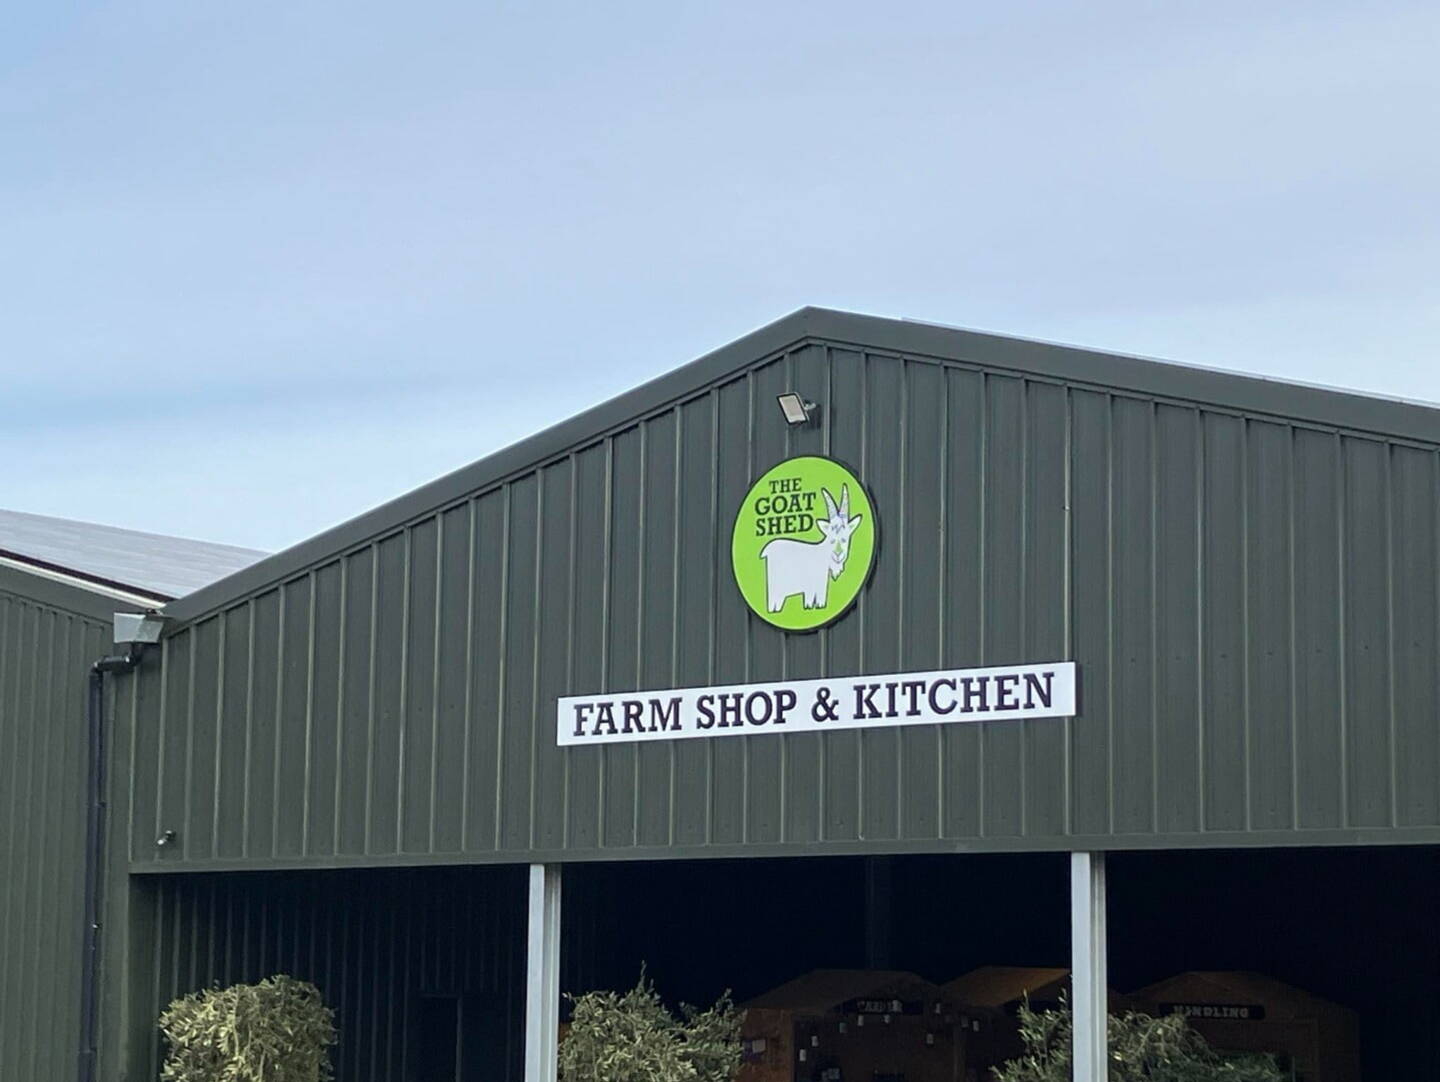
{"x": 132, "y": 560}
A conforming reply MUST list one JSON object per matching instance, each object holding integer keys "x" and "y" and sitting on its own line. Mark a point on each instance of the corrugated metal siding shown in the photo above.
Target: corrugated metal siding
{"x": 375, "y": 947}
{"x": 44, "y": 655}
{"x": 1253, "y": 605}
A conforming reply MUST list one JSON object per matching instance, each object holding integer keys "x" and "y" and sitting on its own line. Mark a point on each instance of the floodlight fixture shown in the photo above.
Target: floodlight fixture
{"x": 797, "y": 409}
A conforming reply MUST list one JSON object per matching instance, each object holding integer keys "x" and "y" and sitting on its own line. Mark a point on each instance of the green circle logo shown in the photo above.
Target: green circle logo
{"x": 804, "y": 543}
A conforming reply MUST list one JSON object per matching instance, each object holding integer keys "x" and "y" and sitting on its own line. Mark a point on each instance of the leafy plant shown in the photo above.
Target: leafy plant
{"x": 1141, "y": 1049}
{"x": 278, "y": 1030}
{"x": 631, "y": 1037}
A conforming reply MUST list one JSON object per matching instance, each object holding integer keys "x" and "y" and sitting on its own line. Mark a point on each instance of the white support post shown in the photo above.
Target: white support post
{"x": 542, "y": 974}
{"x": 1088, "y": 985}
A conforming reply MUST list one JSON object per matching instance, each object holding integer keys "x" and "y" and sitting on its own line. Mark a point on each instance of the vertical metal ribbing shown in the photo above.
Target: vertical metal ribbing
{"x": 1201, "y": 605}
{"x": 1154, "y": 556}
{"x": 250, "y": 622}
{"x": 1111, "y": 682}
{"x": 538, "y": 730}
{"x": 310, "y": 648}
{"x": 1088, "y": 964}
{"x": 571, "y": 556}
{"x": 637, "y": 676}
{"x": 403, "y": 719}
{"x": 282, "y": 612}
{"x": 712, "y": 637}
{"x": 435, "y": 652}
{"x": 1342, "y": 555}
{"x": 1067, "y": 590}
{"x": 675, "y": 597}
{"x": 608, "y": 547}
{"x": 342, "y": 649}
{"x": 501, "y": 681}
{"x": 1392, "y": 775}
{"x": 1245, "y": 577}
{"x": 469, "y": 678}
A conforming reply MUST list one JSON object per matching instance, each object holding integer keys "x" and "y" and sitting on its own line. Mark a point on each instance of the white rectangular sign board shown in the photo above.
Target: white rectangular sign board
{"x": 1005, "y": 693}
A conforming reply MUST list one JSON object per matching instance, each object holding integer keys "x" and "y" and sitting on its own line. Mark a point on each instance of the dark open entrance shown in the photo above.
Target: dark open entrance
{"x": 426, "y": 967}
{"x": 1355, "y": 927}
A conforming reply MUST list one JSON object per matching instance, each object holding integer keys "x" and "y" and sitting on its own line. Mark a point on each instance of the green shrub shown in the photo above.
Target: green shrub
{"x": 633, "y": 1038}
{"x": 1142, "y": 1049}
{"x": 276, "y": 1031}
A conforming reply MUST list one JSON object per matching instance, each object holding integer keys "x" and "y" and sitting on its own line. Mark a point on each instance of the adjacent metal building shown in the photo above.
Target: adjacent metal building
{"x": 1245, "y": 572}
{"x": 61, "y": 583}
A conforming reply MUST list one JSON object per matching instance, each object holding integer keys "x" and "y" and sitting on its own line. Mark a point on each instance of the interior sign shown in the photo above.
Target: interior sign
{"x": 1212, "y": 1012}
{"x": 802, "y": 706}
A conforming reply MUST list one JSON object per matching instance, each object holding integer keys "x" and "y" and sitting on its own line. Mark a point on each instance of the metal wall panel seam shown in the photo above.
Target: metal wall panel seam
{"x": 1435, "y": 526}
{"x": 783, "y": 818}
{"x": 902, "y": 545}
{"x": 39, "y": 844}
{"x": 605, "y": 676}
{"x": 537, "y": 616}
{"x": 1154, "y": 515}
{"x": 1067, "y": 576}
{"x": 942, "y": 628}
{"x": 982, "y": 559}
{"x": 161, "y": 724}
{"x": 1245, "y": 562}
{"x": 187, "y": 806}
{"x": 749, "y": 627}
{"x": 250, "y": 622}
{"x": 1110, "y": 612}
{"x": 371, "y": 694}
{"x": 1342, "y": 600}
{"x": 1295, "y": 669}
{"x": 1202, "y": 604}
{"x": 862, "y": 609}
{"x": 636, "y": 677}
{"x": 307, "y": 772}
{"x": 341, "y": 652}
{"x": 282, "y": 647}
{"x": 1023, "y": 628}
{"x": 571, "y": 555}
{"x": 1390, "y": 645}
{"x": 711, "y": 643}
{"x": 675, "y": 594}
{"x": 502, "y": 673}
{"x": 9, "y": 742}
{"x": 402, "y": 721}
{"x": 468, "y": 715}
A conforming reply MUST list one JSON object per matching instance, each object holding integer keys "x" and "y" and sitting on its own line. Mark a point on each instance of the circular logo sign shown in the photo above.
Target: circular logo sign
{"x": 804, "y": 543}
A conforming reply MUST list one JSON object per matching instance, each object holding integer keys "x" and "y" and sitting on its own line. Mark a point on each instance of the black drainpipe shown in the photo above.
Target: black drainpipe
{"x": 95, "y": 856}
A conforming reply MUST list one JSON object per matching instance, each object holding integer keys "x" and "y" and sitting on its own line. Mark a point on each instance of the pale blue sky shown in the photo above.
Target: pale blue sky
{"x": 269, "y": 264}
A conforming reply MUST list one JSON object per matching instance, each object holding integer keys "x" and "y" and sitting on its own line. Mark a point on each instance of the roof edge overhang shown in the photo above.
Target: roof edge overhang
{"x": 68, "y": 593}
{"x": 1216, "y": 388}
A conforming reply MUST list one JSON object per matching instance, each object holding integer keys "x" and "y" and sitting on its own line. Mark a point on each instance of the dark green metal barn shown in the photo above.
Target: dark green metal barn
{"x": 342, "y": 761}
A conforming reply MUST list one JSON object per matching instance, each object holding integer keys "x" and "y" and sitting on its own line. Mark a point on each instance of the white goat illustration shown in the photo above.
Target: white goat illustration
{"x": 806, "y": 567}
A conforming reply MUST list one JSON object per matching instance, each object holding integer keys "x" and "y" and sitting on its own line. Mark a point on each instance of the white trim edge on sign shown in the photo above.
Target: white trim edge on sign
{"x": 942, "y": 697}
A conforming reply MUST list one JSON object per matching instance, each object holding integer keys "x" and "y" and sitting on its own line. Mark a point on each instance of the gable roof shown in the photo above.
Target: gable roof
{"x": 823, "y": 989}
{"x": 995, "y": 986}
{"x": 1235, "y": 986}
{"x": 149, "y": 565}
{"x": 1250, "y": 395}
